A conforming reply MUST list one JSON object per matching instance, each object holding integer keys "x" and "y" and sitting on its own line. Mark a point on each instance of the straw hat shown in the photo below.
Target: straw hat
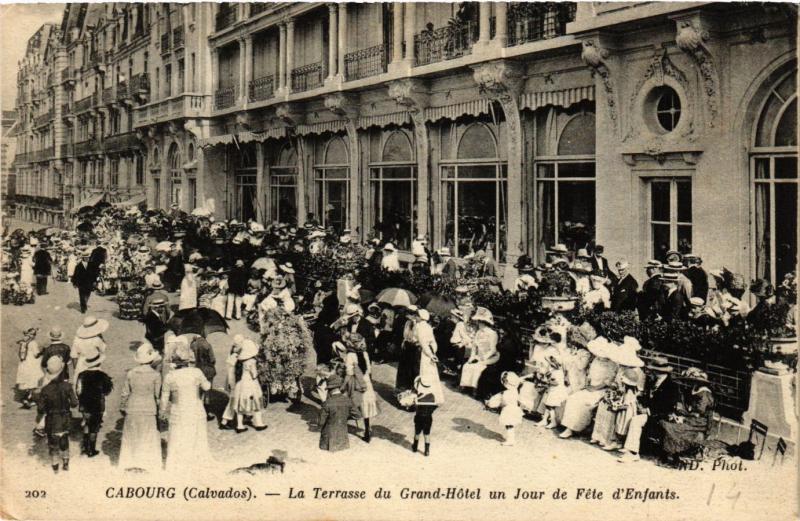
{"x": 389, "y": 247}
{"x": 695, "y": 374}
{"x": 287, "y": 268}
{"x": 424, "y": 314}
{"x": 56, "y": 333}
{"x": 91, "y": 327}
{"x": 145, "y": 354}
{"x": 583, "y": 254}
{"x": 659, "y": 364}
{"x": 626, "y": 355}
{"x": 559, "y": 248}
{"x": 600, "y": 347}
{"x": 55, "y": 365}
{"x": 249, "y": 350}
{"x": 631, "y": 376}
{"x": 483, "y": 315}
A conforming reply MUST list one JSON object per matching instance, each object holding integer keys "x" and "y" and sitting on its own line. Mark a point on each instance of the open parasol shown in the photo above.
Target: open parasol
{"x": 200, "y": 321}
{"x": 164, "y": 246}
{"x": 396, "y": 297}
{"x": 263, "y": 263}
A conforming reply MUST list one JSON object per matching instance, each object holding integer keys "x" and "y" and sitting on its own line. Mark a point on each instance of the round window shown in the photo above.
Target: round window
{"x": 668, "y": 108}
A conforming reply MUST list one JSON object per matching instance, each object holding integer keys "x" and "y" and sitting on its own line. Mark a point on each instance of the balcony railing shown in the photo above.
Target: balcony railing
{"x": 445, "y": 43}
{"x": 261, "y": 88}
{"x": 366, "y": 62}
{"x": 259, "y": 7}
{"x": 227, "y": 15}
{"x": 225, "y": 97}
{"x": 140, "y": 84}
{"x": 181, "y": 106}
{"x": 177, "y": 37}
{"x": 65, "y": 109}
{"x": 122, "y": 90}
{"x": 108, "y": 95}
{"x": 84, "y": 104}
{"x": 67, "y": 150}
{"x": 531, "y": 22}
{"x": 307, "y": 77}
{"x": 88, "y": 147}
{"x": 43, "y": 119}
{"x": 164, "y": 43}
{"x": 37, "y": 200}
{"x": 121, "y": 142}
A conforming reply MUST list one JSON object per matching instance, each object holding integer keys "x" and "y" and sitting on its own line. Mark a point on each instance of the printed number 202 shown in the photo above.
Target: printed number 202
{"x": 35, "y": 494}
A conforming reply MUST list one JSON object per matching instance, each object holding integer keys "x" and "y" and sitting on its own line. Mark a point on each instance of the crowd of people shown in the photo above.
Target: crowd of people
{"x": 568, "y": 376}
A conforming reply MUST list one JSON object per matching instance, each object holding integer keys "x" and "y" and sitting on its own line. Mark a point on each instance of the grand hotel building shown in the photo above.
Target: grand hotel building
{"x": 643, "y": 126}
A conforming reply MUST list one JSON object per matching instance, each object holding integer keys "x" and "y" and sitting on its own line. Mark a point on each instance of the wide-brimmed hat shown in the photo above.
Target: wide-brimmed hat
{"x": 631, "y": 376}
{"x": 56, "y": 333}
{"x": 626, "y": 355}
{"x": 94, "y": 362}
{"x": 510, "y": 379}
{"x": 287, "y": 267}
{"x": 653, "y": 263}
{"x": 674, "y": 266}
{"x": 249, "y": 350}
{"x": 600, "y": 347}
{"x": 560, "y": 249}
{"x": 674, "y": 255}
{"x": 91, "y": 327}
{"x": 389, "y": 247}
{"x": 483, "y": 315}
{"x": 158, "y": 301}
{"x": 583, "y": 254}
{"x": 659, "y": 364}
{"x": 424, "y": 314}
{"x": 581, "y": 335}
{"x": 55, "y": 365}
{"x": 157, "y": 284}
{"x": 145, "y": 354}
{"x": 143, "y": 249}
{"x": 695, "y": 374}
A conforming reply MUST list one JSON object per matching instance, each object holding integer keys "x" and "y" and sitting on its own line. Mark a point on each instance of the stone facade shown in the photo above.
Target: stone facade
{"x": 644, "y": 127}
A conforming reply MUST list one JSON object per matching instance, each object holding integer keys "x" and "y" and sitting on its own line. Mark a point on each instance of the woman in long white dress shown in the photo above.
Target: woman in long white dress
{"x": 141, "y": 441}
{"x": 428, "y": 362}
{"x": 188, "y": 298}
{"x": 29, "y": 371}
{"x": 187, "y": 446}
{"x": 484, "y": 351}
{"x": 26, "y": 275}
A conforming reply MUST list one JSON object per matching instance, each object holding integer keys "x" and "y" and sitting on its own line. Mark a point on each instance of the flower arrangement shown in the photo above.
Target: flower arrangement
{"x": 281, "y": 361}
{"x": 557, "y": 284}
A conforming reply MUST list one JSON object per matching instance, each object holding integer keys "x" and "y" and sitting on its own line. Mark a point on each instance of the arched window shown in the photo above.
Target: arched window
{"x": 332, "y": 182}
{"x": 475, "y": 194}
{"x": 393, "y": 185}
{"x": 283, "y": 186}
{"x": 175, "y": 174}
{"x": 565, "y": 189}
{"x": 773, "y": 167}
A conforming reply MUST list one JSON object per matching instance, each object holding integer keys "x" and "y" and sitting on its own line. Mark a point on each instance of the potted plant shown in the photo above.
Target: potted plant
{"x": 558, "y": 291}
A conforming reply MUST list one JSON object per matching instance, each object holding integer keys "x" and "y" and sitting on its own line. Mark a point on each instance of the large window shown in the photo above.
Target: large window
{"x": 175, "y": 174}
{"x": 775, "y": 182}
{"x": 283, "y": 187}
{"x": 670, "y": 216}
{"x": 565, "y": 189}
{"x": 332, "y": 180}
{"x": 393, "y": 186}
{"x": 245, "y": 174}
{"x": 475, "y": 195}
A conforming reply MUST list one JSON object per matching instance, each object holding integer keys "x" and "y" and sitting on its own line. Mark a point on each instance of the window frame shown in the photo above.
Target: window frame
{"x": 673, "y": 223}
{"x": 376, "y": 183}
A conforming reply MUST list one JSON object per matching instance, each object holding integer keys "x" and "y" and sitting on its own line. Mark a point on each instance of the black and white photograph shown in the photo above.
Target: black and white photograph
{"x": 399, "y": 260}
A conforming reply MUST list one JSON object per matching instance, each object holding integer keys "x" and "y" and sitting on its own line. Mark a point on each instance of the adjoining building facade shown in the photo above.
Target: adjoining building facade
{"x": 8, "y": 148}
{"x": 644, "y": 127}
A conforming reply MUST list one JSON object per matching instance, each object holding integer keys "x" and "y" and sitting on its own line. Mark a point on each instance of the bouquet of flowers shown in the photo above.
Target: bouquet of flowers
{"x": 281, "y": 361}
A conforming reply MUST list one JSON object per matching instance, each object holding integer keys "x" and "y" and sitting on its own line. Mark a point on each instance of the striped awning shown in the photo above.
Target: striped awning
{"x": 395, "y": 118}
{"x": 471, "y": 108}
{"x": 92, "y": 200}
{"x": 321, "y": 127}
{"x": 245, "y": 137}
{"x": 559, "y": 98}
{"x": 136, "y": 200}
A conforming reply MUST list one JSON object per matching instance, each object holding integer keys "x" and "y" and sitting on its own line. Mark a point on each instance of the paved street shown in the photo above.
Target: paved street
{"x": 466, "y": 438}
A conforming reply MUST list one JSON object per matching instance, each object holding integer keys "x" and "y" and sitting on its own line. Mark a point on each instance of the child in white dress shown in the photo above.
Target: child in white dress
{"x": 556, "y": 394}
{"x": 508, "y": 400}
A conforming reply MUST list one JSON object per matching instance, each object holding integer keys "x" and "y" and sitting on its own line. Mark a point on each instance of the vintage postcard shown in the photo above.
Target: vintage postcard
{"x": 399, "y": 260}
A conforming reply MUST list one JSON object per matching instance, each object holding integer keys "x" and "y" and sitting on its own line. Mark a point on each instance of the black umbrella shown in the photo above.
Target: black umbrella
{"x": 200, "y": 321}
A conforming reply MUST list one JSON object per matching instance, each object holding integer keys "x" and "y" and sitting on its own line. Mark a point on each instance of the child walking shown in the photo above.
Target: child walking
{"x": 93, "y": 386}
{"x": 55, "y": 401}
{"x": 423, "y": 417}
{"x": 508, "y": 400}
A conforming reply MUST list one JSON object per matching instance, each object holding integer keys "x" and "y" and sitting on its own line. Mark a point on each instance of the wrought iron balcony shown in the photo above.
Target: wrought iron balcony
{"x": 177, "y": 37}
{"x": 43, "y": 119}
{"x": 108, "y": 95}
{"x": 140, "y": 84}
{"x": 121, "y": 142}
{"x": 366, "y": 62}
{"x": 261, "y": 88}
{"x": 227, "y": 15}
{"x": 67, "y": 150}
{"x": 84, "y": 104}
{"x": 165, "y": 43}
{"x": 225, "y": 97}
{"x": 307, "y": 77}
{"x": 88, "y": 147}
{"x": 65, "y": 109}
{"x": 445, "y": 43}
{"x": 68, "y": 74}
{"x": 530, "y": 22}
{"x": 122, "y": 91}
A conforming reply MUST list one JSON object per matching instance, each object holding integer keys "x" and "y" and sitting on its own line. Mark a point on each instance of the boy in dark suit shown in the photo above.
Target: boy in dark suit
{"x": 55, "y": 401}
{"x": 333, "y": 417}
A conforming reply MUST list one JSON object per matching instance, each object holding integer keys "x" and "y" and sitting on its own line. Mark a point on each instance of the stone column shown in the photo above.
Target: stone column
{"x": 342, "y": 36}
{"x": 410, "y": 24}
{"x": 248, "y": 67}
{"x": 333, "y": 26}
{"x": 397, "y": 32}
{"x": 501, "y": 23}
{"x": 282, "y": 57}
{"x": 484, "y": 10}
{"x": 243, "y": 67}
{"x": 289, "y": 53}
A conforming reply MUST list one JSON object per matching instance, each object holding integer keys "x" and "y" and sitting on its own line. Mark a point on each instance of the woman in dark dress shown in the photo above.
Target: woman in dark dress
{"x": 686, "y": 430}
{"x": 408, "y": 364}
{"x": 509, "y": 348}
